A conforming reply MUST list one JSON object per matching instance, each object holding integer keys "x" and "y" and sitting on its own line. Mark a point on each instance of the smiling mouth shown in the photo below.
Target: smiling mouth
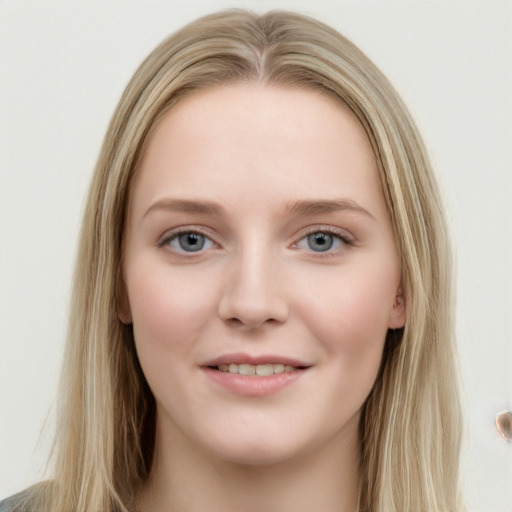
{"x": 257, "y": 370}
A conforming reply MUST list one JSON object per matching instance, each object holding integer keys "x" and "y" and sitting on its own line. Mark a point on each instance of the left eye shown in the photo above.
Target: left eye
{"x": 189, "y": 241}
{"x": 320, "y": 241}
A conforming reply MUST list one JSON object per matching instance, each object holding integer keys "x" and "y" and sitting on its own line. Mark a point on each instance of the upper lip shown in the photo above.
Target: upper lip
{"x": 240, "y": 358}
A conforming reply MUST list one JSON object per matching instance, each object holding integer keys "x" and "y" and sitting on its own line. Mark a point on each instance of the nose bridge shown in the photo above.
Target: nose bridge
{"x": 253, "y": 292}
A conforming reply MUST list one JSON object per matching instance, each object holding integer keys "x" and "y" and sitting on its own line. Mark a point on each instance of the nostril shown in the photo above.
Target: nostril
{"x": 234, "y": 322}
{"x": 247, "y": 323}
{"x": 246, "y": 303}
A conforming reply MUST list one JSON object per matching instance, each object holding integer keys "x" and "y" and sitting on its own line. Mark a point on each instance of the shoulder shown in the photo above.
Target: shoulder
{"x": 8, "y": 504}
{"x": 17, "y": 503}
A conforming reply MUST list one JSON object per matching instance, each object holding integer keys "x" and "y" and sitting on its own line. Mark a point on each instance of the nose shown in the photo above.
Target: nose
{"x": 254, "y": 293}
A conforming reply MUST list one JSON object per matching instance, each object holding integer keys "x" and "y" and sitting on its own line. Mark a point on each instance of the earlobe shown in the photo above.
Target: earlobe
{"x": 397, "y": 316}
{"x": 124, "y": 312}
{"x": 124, "y": 317}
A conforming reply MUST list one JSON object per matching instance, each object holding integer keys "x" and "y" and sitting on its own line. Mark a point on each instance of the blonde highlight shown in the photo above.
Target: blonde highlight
{"x": 410, "y": 423}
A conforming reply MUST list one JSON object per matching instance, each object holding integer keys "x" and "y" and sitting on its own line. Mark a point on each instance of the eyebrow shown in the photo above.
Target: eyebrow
{"x": 185, "y": 206}
{"x": 301, "y": 208}
{"x": 316, "y": 207}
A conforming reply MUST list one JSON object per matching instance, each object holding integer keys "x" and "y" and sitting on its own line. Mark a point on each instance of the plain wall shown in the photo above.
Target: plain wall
{"x": 63, "y": 66}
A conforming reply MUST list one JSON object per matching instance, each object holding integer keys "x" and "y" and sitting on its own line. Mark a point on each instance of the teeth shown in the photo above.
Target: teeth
{"x": 278, "y": 368}
{"x": 261, "y": 370}
{"x": 245, "y": 369}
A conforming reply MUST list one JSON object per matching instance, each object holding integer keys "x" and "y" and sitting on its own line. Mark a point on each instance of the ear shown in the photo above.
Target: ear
{"x": 124, "y": 311}
{"x": 124, "y": 316}
{"x": 397, "y": 316}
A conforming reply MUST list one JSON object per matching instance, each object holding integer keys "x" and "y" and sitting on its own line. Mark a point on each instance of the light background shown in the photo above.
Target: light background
{"x": 63, "y": 66}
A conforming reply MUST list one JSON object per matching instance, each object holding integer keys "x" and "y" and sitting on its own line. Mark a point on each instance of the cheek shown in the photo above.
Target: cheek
{"x": 350, "y": 320}
{"x": 167, "y": 313}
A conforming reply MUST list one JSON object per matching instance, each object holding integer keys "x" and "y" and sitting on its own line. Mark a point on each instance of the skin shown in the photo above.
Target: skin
{"x": 259, "y": 286}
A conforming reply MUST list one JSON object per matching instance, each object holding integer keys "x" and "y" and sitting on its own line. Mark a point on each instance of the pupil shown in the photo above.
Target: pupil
{"x": 320, "y": 241}
{"x": 191, "y": 242}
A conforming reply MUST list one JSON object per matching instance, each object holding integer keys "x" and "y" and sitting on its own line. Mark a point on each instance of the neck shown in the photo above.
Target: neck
{"x": 187, "y": 479}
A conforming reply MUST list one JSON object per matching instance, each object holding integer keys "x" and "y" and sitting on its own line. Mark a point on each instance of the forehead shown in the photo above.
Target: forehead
{"x": 244, "y": 140}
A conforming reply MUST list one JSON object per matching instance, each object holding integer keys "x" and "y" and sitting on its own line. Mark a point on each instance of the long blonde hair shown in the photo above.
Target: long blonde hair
{"x": 410, "y": 423}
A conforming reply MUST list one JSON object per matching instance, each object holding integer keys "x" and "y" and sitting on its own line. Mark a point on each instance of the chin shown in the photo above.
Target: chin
{"x": 257, "y": 455}
{"x": 260, "y": 448}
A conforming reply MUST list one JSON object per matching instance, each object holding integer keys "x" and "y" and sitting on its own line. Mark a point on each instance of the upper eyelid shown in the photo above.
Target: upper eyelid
{"x": 171, "y": 234}
{"x": 324, "y": 228}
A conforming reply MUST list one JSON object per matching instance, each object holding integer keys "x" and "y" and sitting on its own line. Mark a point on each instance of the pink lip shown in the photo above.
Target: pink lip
{"x": 253, "y": 386}
{"x": 241, "y": 358}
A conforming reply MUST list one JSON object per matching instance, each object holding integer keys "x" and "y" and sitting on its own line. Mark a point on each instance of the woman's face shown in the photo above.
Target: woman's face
{"x": 258, "y": 241}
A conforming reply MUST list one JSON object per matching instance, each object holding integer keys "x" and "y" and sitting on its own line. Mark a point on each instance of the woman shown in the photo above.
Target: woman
{"x": 262, "y": 315}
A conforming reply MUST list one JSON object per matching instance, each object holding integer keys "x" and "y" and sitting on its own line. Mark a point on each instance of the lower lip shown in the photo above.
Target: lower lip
{"x": 251, "y": 385}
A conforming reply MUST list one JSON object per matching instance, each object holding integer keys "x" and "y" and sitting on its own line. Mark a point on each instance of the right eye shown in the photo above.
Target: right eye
{"x": 187, "y": 242}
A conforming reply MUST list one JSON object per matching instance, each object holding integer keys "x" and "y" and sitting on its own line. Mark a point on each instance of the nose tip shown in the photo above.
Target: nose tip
{"x": 251, "y": 319}
{"x": 250, "y": 301}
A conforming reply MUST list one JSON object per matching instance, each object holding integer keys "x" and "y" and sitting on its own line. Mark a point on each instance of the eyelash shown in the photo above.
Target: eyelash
{"x": 175, "y": 234}
{"x": 344, "y": 239}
